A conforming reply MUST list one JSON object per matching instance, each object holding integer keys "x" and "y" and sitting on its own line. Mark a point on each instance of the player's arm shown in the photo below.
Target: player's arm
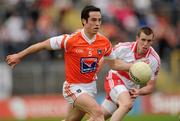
{"x": 118, "y": 64}
{"x": 53, "y": 43}
{"x": 114, "y": 61}
{"x": 35, "y": 48}
{"x": 150, "y": 86}
{"x": 14, "y": 59}
{"x": 146, "y": 90}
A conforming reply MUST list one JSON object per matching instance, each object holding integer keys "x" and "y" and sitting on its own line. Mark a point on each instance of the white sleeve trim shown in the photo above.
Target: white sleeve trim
{"x": 56, "y": 42}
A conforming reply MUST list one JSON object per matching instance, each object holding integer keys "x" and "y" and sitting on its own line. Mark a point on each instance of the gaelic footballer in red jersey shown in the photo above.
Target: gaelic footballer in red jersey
{"x": 120, "y": 90}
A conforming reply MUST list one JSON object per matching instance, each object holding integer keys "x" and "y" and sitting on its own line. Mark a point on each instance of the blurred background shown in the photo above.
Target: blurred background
{"x": 34, "y": 88}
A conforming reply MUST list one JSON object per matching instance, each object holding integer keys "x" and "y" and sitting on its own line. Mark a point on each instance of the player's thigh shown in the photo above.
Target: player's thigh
{"x": 87, "y": 103}
{"x": 125, "y": 101}
{"x": 72, "y": 91}
{"x": 119, "y": 92}
{"x": 124, "y": 97}
{"x": 74, "y": 114}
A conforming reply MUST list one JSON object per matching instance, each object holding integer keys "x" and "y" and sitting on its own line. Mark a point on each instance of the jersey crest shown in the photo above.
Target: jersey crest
{"x": 88, "y": 64}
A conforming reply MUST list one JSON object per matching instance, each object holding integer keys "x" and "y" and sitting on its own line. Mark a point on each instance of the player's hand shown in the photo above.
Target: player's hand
{"x": 134, "y": 92}
{"x": 13, "y": 60}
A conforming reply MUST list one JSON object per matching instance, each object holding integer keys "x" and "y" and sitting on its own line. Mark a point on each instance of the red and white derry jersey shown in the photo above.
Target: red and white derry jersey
{"x": 82, "y": 55}
{"x": 126, "y": 51}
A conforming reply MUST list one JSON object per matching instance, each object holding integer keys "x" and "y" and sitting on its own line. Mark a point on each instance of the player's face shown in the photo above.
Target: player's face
{"x": 92, "y": 25}
{"x": 144, "y": 42}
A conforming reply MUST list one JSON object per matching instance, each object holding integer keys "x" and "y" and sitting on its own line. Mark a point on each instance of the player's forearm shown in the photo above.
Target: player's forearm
{"x": 146, "y": 90}
{"x": 121, "y": 65}
{"x": 34, "y": 48}
{"x": 118, "y": 64}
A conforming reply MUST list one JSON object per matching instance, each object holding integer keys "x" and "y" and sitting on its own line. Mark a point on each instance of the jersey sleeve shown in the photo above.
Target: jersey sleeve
{"x": 155, "y": 69}
{"x": 116, "y": 53}
{"x": 118, "y": 50}
{"x": 111, "y": 56}
{"x": 58, "y": 42}
{"x": 109, "y": 50}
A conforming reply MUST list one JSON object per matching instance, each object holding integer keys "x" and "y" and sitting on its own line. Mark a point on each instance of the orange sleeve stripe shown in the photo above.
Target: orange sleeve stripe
{"x": 108, "y": 52}
{"x": 62, "y": 43}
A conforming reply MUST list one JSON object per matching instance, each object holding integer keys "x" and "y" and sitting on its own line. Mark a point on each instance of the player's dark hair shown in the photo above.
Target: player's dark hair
{"x": 146, "y": 30}
{"x": 87, "y": 9}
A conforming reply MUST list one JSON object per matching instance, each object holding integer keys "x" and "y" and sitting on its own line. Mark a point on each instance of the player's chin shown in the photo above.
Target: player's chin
{"x": 95, "y": 30}
{"x": 144, "y": 50}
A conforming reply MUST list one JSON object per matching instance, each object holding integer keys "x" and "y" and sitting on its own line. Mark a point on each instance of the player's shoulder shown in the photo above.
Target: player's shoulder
{"x": 101, "y": 37}
{"x": 155, "y": 55}
{"x": 122, "y": 45}
{"x": 71, "y": 38}
{"x": 75, "y": 34}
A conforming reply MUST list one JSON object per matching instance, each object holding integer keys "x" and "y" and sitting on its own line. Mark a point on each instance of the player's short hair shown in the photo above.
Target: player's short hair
{"x": 146, "y": 30}
{"x": 87, "y": 9}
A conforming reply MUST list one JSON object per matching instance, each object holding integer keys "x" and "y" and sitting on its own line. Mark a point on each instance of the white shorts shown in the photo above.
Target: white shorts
{"x": 111, "y": 105}
{"x": 116, "y": 91}
{"x": 72, "y": 91}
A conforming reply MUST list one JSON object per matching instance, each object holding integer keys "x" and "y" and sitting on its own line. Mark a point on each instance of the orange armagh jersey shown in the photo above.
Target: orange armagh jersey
{"x": 82, "y": 55}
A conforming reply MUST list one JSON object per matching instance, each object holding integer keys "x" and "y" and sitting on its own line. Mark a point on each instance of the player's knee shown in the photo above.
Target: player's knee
{"x": 97, "y": 111}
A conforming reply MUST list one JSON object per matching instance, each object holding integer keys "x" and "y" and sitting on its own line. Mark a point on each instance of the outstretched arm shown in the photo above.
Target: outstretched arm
{"x": 118, "y": 64}
{"x": 14, "y": 59}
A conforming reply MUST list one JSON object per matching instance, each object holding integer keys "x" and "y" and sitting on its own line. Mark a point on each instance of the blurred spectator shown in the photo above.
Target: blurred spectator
{"x": 14, "y": 29}
{"x": 165, "y": 36}
{"x": 124, "y": 14}
{"x": 70, "y": 19}
{"x": 15, "y": 36}
{"x": 178, "y": 33}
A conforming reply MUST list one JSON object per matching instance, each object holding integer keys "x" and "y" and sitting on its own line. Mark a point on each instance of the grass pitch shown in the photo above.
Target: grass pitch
{"x": 127, "y": 118}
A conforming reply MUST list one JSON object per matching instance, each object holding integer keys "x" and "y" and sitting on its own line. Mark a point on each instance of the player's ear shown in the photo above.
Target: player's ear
{"x": 137, "y": 37}
{"x": 83, "y": 21}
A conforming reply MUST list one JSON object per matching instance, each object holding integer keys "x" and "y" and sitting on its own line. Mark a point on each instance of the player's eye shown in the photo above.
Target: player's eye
{"x": 149, "y": 40}
{"x": 94, "y": 19}
{"x": 143, "y": 40}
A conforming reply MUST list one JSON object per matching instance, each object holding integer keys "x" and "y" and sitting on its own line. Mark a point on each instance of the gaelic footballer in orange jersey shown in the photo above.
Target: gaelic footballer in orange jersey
{"x": 82, "y": 55}
{"x": 83, "y": 51}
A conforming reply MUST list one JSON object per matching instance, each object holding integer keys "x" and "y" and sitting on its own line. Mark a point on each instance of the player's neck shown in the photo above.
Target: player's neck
{"x": 87, "y": 38}
{"x": 88, "y": 34}
{"x": 139, "y": 52}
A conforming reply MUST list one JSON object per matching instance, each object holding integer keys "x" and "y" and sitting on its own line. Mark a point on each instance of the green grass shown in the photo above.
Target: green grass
{"x": 127, "y": 118}
{"x": 151, "y": 118}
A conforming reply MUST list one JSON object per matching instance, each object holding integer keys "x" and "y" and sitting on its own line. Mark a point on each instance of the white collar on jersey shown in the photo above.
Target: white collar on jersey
{"x": 134, "y": 47}
{"x": 86, "y": 38}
